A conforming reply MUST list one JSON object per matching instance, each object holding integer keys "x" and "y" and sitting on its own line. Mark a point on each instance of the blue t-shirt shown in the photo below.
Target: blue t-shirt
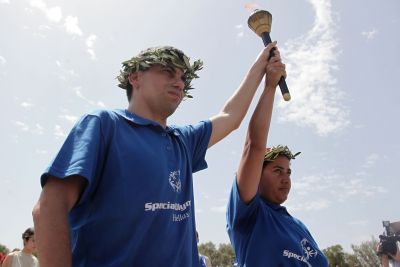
{"x": 137, "y": 208}
{"x": 264, "y": 234}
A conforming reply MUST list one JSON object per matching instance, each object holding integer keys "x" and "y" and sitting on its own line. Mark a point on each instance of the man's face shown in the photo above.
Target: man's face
{"x": 275, "y": 180}
{"x": 160, "y": 89}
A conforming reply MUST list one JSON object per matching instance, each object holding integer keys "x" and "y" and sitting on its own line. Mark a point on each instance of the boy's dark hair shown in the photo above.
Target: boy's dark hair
{"x": 28, "y": 233}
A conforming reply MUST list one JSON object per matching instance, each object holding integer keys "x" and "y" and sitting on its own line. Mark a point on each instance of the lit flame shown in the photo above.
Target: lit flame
{"x": 251, "y": 6}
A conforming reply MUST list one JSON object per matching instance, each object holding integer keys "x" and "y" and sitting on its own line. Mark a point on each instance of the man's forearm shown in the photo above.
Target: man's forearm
{"x": 238, "y": 104}
{"x": 234, "y": 110}
{"x": 50, "y": 217}
{"x": 52, "y": 235}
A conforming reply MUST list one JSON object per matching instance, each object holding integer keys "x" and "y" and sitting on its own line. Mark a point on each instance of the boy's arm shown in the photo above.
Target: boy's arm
{"x": 251, "y": 164}
{"x": 236, "y": 107}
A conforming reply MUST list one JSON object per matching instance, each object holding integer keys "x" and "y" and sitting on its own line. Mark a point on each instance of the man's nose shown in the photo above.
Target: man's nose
{"x": 179, "y": 83}
{"x": 285, "y": 178}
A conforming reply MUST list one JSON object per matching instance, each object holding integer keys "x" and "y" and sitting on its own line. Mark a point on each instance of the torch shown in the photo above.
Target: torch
{"x": 260, "y": 22}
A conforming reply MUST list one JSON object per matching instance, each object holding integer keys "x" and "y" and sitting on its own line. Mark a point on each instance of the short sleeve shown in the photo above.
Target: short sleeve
{"x": 241, "y": 216}
{"x": 197, "y": 137}
{"x": 81, "y": 154}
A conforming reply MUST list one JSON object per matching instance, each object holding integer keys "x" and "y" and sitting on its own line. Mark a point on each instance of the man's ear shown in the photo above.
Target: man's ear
{"x": 133, "y": 79}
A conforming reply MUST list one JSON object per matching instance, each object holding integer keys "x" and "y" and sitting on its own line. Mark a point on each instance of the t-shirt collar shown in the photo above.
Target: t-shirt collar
{"x": 276, "y": 207}
{"x": 143, "y": 121}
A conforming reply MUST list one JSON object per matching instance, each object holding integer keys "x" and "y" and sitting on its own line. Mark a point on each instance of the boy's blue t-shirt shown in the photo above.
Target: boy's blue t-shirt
{"x": 137, "y": 208}
{"x": 265, "y": 234}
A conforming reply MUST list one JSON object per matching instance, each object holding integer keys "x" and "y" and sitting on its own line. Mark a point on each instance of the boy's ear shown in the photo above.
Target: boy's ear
{"x": 133, "y": 78}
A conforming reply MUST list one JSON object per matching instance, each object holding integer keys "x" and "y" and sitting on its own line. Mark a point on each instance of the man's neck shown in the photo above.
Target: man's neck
{"x": 148, "y": 115}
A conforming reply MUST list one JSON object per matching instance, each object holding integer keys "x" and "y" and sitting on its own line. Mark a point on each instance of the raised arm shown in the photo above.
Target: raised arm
{"x": 50, "y": 216}
{"x": 234, "y": 110}
{"x": 250, "y": 168}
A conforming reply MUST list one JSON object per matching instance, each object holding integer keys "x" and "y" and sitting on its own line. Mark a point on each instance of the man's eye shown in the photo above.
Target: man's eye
{"x": 167, "y": 71}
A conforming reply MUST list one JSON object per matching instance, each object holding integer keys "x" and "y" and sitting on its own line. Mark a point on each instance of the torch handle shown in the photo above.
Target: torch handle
{"x": 282, "y": 83}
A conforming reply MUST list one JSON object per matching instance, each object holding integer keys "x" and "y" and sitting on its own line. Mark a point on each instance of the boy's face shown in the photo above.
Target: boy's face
{"x": 30, "y": 244}
{"x": 275, "y": 180}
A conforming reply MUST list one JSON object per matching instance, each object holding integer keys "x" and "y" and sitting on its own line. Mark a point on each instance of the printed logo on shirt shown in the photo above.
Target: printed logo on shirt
{"x": 308, "y": 252}
{"x": 150, "y": 206}
{"x": 175, "y": 181}
{"x": 182, "y": 209}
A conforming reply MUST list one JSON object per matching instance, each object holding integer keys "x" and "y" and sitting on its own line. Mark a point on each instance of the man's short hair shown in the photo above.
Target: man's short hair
{"x": 167, "y": 56}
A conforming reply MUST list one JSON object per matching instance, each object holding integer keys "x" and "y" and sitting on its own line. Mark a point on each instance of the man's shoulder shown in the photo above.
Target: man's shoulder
{"x": 102, "y": 116}
{"x": 206, "y": 124}
{"x": 105, "y": 113}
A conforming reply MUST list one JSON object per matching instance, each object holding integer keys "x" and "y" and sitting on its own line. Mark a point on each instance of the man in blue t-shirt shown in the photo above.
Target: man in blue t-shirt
{"x": 120, "y": 191}
{"x": 261, "y": 231}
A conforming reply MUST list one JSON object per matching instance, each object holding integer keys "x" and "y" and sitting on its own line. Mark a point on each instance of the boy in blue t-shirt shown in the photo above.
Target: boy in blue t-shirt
{"x": 120, "y": 191}
{"x": 261, "y": 231}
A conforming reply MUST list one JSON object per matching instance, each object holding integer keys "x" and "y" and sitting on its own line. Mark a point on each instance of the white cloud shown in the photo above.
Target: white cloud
{"x": 308, "y": 184}
{"x": 90, "y": 43}
{"x": 80, "y": 95}
{"x": 21, "y": 125}
{"x": 64, "y": 73}
{"x": 70, "y": 118}
{"x": 59, "y": 133}
{"x": 41, "y": 151}
{"x": 38, "y": 4}
{"x": 71, "y": 23}
{"x": 101, "y": 104}
{"x": 240, "y": 30}
{"x": 358, "y": 187}
{"x": 44, "y": 27}
{"x": 329, "y": 188}
{"x": 71, "y": 26}
{"x": 90, "y": 40}
{"x": 3, "y": 61}
{"x": 370, "y": 34}
{"x": 310, "y": 206}
{"x": 54, "y": 14}
{"x": 36, "y": 129}
{"x": 219, "y": 209}
{"x": 310, "y": 64}
{"x": 370, "y": 160}
{"x": 26, "y": 105}
{"x": 4, "y": 1}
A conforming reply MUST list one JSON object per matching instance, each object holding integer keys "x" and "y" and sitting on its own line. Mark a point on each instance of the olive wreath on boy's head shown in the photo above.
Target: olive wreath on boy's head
{"x": 167, "y": 56}
{"x": 279, "y": 150}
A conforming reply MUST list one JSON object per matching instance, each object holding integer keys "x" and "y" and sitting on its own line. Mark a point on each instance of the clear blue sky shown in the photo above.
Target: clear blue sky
{"x": 58, "y": 60}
